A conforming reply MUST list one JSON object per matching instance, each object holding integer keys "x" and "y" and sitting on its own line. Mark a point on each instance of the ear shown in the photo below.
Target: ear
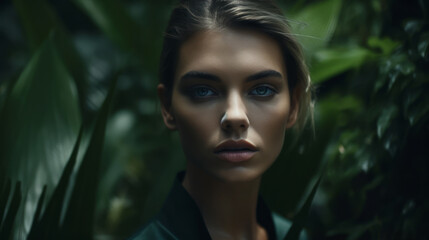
{"x": 167, "y": 115}
{"x": 294, "y": 108}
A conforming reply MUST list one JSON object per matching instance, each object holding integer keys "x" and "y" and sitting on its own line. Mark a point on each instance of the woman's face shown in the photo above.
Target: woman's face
{"x": 230, "y": 103}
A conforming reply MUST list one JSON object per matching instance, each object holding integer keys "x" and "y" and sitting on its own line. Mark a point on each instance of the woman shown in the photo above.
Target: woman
{"x": 233, "y": 81}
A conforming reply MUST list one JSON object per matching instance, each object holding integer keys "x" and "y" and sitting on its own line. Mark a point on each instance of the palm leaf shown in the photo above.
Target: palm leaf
{"x": 301, "y": 217}
{"x": 39, "y": 19}
{"x": 49, "y": 224}
{"x": 39, "y": 208}
{"x": 7, "y": 225}
{"x": 79, "y": 218}
{"x": 4, "y": 197}
{"x": 314, "y": 25}
{"x": 38, "y": 127}
{"x": 331, "y": 62}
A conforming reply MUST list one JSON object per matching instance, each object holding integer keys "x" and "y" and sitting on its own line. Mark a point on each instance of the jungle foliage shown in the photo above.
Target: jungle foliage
{"x": 66, "y": 168}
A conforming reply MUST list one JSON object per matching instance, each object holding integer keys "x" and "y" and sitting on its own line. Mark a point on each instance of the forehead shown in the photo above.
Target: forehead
{"x": 230, "y": 53}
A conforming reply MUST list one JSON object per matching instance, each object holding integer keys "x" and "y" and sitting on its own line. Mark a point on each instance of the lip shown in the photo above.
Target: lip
{"x": 235, "y": 151}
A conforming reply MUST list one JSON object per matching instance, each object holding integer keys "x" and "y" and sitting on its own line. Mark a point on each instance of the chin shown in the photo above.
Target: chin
{"x": 238, "y": 174}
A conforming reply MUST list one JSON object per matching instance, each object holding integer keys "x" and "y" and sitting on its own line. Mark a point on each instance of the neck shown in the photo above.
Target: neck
{"x": 228, "y": 208}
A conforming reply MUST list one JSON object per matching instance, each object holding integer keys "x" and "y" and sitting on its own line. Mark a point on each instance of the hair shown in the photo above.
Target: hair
{"x": 192, "y": 16}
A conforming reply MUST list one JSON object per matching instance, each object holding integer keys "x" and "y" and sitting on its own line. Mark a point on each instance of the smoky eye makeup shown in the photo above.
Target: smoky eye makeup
{"x": 198, "y": 92}
{"x": 201, "y": 92}
{"x": 199, "y": 86}
{"x": 263, "y": 90}
{"x": 203, "y": 86}
{"x": 266, "y": 87}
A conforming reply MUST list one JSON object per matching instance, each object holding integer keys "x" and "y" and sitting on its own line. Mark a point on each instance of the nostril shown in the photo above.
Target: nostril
{"x": 234, "y": 121}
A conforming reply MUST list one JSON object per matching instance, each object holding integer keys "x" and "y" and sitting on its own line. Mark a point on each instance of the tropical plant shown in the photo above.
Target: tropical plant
{"x": 24, "y": 104}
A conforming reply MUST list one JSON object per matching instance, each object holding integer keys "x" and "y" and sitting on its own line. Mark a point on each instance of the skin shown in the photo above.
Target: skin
{"x": 229, "y": 84}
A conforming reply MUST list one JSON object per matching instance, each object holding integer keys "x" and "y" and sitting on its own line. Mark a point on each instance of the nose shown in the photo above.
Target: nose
{"x": 235, "y": 117}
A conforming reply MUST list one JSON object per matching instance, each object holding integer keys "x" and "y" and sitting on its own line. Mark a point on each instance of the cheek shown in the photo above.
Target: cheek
{"x": 270, "y": 125}
{"x": 196, "y": 124}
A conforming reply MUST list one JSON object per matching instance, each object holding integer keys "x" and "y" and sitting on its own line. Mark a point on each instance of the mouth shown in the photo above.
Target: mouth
{"x": 235, "y": 151}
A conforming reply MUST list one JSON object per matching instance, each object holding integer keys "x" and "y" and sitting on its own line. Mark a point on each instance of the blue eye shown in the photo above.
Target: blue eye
{"x": 201, "y": 92}
{"x": 262, "y": 91}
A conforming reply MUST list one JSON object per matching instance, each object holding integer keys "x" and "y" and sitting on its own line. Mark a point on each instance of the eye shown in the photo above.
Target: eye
{"x": 201, "y": 92}
{"x": 262, "y": 91}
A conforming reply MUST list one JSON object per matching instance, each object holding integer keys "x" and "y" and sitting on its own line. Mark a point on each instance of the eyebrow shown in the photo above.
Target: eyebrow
{"x": 200, "y": 75}
{"x": 264, "y": 74}
{"x": 212, "y": 77}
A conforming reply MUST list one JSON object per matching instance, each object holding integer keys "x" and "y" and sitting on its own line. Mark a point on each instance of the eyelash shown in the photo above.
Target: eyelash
{"x": 271, "y": 91}
{"x": 193, "y": 92}
{"x": 209, "y": 92}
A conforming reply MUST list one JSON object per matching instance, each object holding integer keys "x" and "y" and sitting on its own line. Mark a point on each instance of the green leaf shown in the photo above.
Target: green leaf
{"x": 49, "y": 224}
{"x": 39, "y": 20}
{"x": 385, "y": 119}
{"x": 4, "y": 197}
{"x": 79, "y": 218}
{"x": 38, "y": 127}
{"x": 114, "y": 20}
{"x": 334, "y": 110}
{"x": 9, "y": 220}
{"x": 316, "y": 23}
{"x": 301, "y": 217}
{"x": 419, "y": 111}
{"x": 423, "y": 45}
{"x": 331, "y": 62}
{"x": 386, "y": 45}
{"x": 39, "y": 208}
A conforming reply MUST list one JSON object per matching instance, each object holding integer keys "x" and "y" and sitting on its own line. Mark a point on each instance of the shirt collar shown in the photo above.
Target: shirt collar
{"x": 180, "y": 214}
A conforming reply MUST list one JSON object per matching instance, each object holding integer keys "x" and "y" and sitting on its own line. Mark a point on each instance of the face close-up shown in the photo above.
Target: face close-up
{"x": 230, "y": 103}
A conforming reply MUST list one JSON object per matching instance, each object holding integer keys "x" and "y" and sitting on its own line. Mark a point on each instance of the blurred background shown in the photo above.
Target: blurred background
{"x": 369, "y": 63}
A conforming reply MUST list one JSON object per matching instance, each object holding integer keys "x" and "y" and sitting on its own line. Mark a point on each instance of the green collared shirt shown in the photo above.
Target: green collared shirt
{"x": 180, "y": 218}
